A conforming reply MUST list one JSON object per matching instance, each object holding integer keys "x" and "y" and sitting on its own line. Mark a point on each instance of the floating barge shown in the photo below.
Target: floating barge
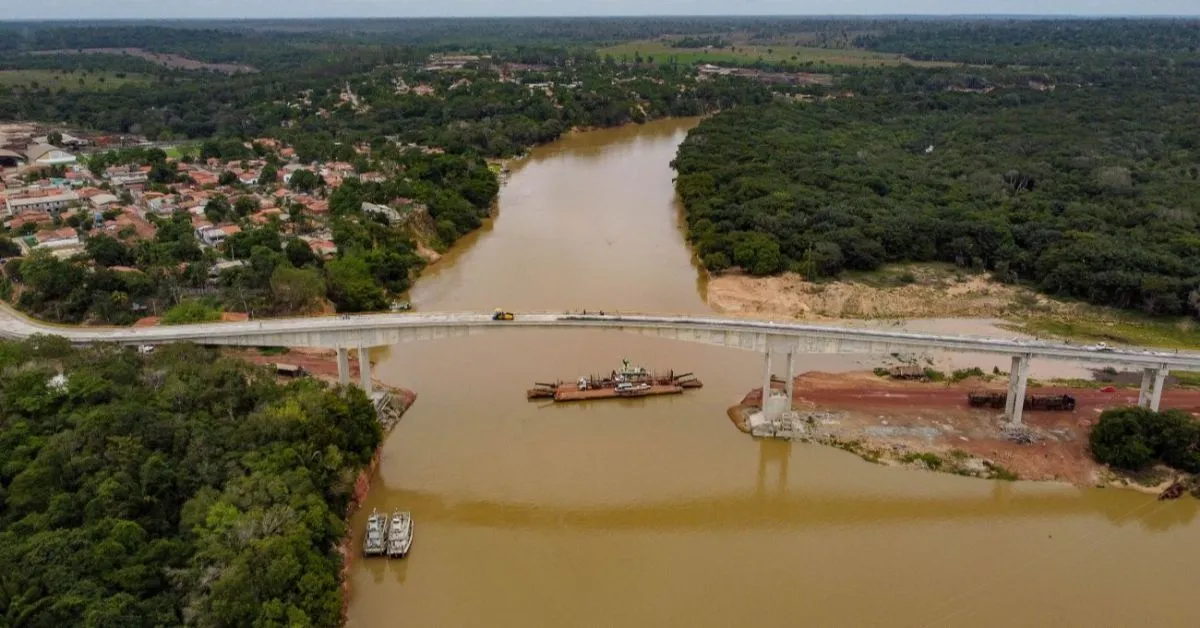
{"x": 626, "y": 382}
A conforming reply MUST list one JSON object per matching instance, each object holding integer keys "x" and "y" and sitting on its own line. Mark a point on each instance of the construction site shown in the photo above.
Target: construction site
{"x": 953, "y": 427}
{"x": 626, "y": 382}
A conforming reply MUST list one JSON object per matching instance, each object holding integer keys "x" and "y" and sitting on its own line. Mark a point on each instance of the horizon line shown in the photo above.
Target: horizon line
{"x": 1031, "y": 16}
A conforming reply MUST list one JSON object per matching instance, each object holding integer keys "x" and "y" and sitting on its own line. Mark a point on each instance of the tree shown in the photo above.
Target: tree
{"x": 295, "y": 290}
{"x": 268, "y": 175}
{"x": 304, "y": 181}
{"x": 106, "y": 251}
{"x": 8, "y": 248}
{"x": 352, "y": 288}
{"x": 1133, "y": 438}
{"x": 191, "y": 311}
{"x": 227, "y": 178}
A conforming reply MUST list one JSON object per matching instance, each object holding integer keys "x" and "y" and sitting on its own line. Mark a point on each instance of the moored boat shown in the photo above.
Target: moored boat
{"x": 400, "y": 534}
{"x": 374, "y": 541}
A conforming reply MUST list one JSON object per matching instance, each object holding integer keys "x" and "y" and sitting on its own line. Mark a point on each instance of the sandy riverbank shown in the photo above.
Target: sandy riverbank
{"x": 929, "y": 425}
{"x": 897, "y": 292}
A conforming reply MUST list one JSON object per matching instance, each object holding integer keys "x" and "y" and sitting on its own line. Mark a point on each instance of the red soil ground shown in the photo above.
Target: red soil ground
{"x": 916, "y": 416}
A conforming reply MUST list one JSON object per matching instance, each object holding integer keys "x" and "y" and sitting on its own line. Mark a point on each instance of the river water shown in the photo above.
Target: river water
{"x": 658, "y": 512}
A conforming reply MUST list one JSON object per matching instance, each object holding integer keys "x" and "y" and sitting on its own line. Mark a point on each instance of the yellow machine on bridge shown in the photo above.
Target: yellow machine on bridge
{"x": 501, "y": 315}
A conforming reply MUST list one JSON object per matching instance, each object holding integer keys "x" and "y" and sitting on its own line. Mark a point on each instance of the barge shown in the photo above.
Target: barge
{"x": 627, "y": 382}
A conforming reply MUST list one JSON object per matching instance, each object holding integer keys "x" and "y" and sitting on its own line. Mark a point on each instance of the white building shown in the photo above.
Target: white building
{"x": 45, "y": 203}
{"x": 47, "y": 155}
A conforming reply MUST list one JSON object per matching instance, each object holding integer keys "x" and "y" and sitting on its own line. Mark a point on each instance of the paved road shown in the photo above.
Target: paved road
{"x": 302, "y": 331}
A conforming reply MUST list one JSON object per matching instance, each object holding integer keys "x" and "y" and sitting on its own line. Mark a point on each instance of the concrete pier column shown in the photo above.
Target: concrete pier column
{"x": 1147, "y": 387}
{"x": 1018, "y": 378}
{"x": 766, "y": 394}
{"x": 1160, "y": 381}
{"x": 343, "y": 366}
{"x": 790, "y": 386}
{"x": 364, "y": 369}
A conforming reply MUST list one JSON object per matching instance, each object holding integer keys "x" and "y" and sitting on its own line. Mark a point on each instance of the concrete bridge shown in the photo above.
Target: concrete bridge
{"x": 772, "y": 339}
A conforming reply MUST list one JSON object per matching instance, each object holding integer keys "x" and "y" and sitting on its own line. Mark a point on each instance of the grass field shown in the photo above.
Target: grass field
{"x": 179, "y": 150}
{"x": 1124, "y": 329}
{"x": 819, "y": 57}
{"x": 55, "y": 80}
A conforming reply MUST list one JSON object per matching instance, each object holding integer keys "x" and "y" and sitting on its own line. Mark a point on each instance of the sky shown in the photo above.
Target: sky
{"x": 160, "y": 9}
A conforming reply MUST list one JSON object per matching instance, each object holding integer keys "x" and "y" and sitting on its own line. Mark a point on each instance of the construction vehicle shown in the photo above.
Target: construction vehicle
{"x": 501, "y": 315}
{"x": 997, "y": 400}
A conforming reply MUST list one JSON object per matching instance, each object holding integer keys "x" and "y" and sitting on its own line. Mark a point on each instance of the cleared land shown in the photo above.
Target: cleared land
{"x": 662, "y": 52}
{"x": 942, "y": 291}
{"x": 55, "y": 80}
{"x": 163, "y": 59}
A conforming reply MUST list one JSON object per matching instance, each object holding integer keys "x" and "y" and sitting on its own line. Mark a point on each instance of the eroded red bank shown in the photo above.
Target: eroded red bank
{"x": 898, "y": 417}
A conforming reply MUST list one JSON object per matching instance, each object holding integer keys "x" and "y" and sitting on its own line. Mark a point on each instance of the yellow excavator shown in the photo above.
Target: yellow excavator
{"x": 501, "y": 315}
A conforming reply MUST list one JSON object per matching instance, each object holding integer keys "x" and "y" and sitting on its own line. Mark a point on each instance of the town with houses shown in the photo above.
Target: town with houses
{"x": 53, "y": 199}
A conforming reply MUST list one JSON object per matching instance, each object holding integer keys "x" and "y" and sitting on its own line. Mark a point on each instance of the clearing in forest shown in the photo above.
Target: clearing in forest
{"x": 163, "y": 59}
{"x": 661, "y": 52}
{"x": 69, "y": 80}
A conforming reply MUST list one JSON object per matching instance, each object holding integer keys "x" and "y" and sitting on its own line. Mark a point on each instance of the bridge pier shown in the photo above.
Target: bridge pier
{"x": 343, "y": 361}
{"x": 789, "y": 385}
{"x": 1018, "y": 377}
{"x": 1153, "y": 382}
{"x": 364, "y": 369}
{"x": 766, "y": 391}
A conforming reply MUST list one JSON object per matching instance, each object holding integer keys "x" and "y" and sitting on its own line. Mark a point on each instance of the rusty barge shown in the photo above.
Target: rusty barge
{"x": 627, "y": 382}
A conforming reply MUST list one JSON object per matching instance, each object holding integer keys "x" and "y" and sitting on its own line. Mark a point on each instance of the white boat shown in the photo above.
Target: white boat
{"x": 400, "y": 534}
{"x": 628, "y": 389}
{"x": 375, "y": 542}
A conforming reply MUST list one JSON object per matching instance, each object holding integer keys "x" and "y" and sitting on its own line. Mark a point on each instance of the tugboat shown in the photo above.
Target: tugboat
{"x": 400, "y": 534}
{"x": 373, "y": 544}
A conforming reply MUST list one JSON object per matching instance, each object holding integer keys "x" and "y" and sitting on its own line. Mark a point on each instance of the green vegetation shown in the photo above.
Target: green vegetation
{"x": 931, "y": 461}
{"x": 1177, "y": 333}
{"x": 191, "y": 311}
{"x": 962, "y": 374}
{"x": 858, "y": 182}
{"x": 34, "y": 81}
{"x": 178, "y": 488}
{"x": 1135, "y": 438}
{"x": 798, "y": 57}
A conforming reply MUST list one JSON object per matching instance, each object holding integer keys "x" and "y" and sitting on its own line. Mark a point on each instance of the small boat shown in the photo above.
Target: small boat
{"x": 629, "y": 389}
{"x": 400, "y": 534}
{"x": 374, "y": 542}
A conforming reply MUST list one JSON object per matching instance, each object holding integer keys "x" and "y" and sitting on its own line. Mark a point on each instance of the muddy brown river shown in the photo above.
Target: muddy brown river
{"x": 658, "y": 512}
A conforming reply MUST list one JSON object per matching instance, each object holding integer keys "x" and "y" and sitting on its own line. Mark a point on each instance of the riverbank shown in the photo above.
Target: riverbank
{"x": 322, "y": 363}
{"x": 929, "y": 425}
{"x": 915, "y": 291}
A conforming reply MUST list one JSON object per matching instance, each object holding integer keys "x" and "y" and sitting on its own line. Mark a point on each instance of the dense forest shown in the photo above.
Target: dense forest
{"x": 1084, "y": 191}
{"x": 178, "y": 488}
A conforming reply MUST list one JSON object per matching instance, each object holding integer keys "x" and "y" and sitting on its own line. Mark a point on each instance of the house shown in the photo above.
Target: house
{"x": 47, "y": 155}
{"x": 42, "y": 202}
{"x": 323, "y": 248}
{"x": 390, "y": 214}
{"x": 58, "y": 238}
{"x": 224, "y": 265}
{"x": 213, "y": 236}
{"x": 100, "y": 201}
